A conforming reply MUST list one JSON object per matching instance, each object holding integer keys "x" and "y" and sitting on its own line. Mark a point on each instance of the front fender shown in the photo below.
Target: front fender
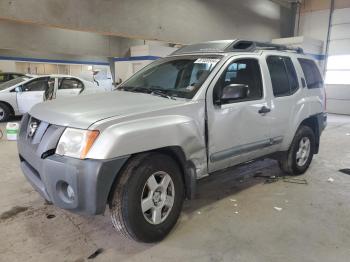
{"x": 152, "y": 133}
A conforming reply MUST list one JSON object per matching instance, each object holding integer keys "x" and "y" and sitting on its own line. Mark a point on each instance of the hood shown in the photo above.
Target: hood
{"x": 83, "y": 111}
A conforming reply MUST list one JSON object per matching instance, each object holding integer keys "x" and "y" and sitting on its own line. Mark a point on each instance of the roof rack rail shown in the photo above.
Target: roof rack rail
{"x": 222, "y": 46}
{"x": 244, "y": 45}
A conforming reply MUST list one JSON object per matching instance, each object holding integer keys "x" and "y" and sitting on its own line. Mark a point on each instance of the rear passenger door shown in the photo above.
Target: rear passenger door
{"x": 287, "y": 98}
{"x": 69, "y": 86}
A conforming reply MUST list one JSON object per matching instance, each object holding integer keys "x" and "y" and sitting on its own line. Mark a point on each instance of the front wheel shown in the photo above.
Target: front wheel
{"x": 299, "y": 156}
{"x": 147, "y": 199}
{"x": 5, "y": 112}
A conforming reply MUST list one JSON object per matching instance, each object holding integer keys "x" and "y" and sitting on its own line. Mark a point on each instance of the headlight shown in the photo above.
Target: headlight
{"x": 76, "y": 142}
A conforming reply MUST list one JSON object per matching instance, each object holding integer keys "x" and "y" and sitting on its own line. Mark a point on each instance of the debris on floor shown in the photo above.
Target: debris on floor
{"x": 272, "y": 179}
{"x": 233, "y": 200}
{"x": 268, "y": 179}
{"x": 199, "y": 212}
{"x": 50, "y": 216}
{"x": 13, "y": 212}
{"x": 96, "y": 253}
{"x": 235, "y": 205}
{"x": 345, "y": 171}
{"x": 348, "y": 134}
{"x": 294, "y": 180}
{"x": 278, "y": 208}
{"x": 330, "y": 180}
{"x": 236, "y": 212}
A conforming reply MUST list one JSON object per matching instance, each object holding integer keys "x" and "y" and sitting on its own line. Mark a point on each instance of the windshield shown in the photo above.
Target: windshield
{"x": 172, "y": 77}
{"x": 13, "y": 82}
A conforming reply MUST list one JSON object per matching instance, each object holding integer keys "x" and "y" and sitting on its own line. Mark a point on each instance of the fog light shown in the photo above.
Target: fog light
{"x": 70, "y": 193}
{"x": 65, "y": 191}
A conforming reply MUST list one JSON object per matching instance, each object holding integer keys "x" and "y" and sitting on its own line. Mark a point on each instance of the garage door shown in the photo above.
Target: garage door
{"x": 338, "y": 66}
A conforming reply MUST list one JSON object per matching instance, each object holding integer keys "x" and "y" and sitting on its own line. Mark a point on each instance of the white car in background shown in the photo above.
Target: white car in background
{"x": 19, "y": 95}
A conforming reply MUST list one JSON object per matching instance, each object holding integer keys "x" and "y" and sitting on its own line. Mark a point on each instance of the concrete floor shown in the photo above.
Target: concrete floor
{"x": 313, "y": 225}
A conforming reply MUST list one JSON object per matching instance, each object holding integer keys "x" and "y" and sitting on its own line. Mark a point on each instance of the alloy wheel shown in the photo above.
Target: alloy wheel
{"x": 157, "y": 197}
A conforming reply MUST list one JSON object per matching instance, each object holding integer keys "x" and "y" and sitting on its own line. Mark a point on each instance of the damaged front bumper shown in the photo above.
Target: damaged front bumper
{"x": 80, "y": 186}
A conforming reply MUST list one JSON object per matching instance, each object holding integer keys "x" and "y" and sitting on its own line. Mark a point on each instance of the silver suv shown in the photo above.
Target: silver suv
{"x": 140, "y": 149}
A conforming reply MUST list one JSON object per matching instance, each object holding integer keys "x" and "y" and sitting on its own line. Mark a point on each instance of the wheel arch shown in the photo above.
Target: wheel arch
{"x": 9, "y": 106}
{"x": 187, "y": 167}
{"x": 313, "y": 123}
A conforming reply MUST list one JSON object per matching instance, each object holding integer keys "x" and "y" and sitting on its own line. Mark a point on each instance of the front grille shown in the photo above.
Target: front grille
{"x": 43, "y": 139}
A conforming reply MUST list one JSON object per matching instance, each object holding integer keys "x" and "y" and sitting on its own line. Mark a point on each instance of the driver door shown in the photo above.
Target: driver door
{"x": 237, "y": 130}
{"x": 31, "y": 94}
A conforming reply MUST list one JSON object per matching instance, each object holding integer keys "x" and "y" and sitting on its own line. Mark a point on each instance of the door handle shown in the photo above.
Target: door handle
{"x": 264, "y": 110}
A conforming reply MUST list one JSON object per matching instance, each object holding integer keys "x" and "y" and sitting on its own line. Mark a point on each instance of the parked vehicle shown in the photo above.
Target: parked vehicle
{"x": 141, "y": 149}
{"x": 19, "y": 95}
{"x": 7, "y": 76}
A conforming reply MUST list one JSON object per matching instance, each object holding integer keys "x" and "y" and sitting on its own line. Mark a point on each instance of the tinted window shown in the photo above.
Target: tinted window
{"x": 245, "y": 72}
{"x": 70, "y": 83}
{"x": 283, "y": 76}
{"x": 36, "y": 85}
{"x": 312, "y": 74}
{"x": 292, "y": 75}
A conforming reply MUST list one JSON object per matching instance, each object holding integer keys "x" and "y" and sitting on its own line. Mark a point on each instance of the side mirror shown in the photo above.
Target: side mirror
{"x": 18, "y": 89}
{"x": 234, "y": 92}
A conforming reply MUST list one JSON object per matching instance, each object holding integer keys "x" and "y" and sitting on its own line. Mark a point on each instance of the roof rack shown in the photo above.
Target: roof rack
{"x": 222, "y": 46}
{"x": 243, "y": 45}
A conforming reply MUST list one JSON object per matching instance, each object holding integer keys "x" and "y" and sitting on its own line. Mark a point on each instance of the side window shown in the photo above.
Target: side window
{"x": 244, "y": 71}
{"x": 39, "y": 84}
{"x": 70, "y": 83}
{"x": 292, "y": 75}
{"x": 312, "y": 74}
{"x": 283, "y": 75}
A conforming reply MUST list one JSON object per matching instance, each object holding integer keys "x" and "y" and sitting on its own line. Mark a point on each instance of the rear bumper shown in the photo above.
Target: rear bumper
{"x": 80, "y": 186}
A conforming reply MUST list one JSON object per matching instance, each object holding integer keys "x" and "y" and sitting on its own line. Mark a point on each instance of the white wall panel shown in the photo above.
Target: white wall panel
{"x": 338, "y": 106}
{"x": 315, "y": 24}
{"x": 339, "y": 47}
{"x": 340, "y": 31}
{"x": 338, "y": 92}
{"x": 341, "y": 16}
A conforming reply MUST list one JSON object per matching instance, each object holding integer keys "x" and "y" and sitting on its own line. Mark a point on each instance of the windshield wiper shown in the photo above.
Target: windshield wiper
{"x": 151, "y": 91}
{"x": 162, "y": 94}
{"x": 136, "y": 89}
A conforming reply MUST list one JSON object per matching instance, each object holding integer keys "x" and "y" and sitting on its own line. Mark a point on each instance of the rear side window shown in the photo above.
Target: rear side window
{"x": 312, "y": 74}
{"x": 283, "y": 75}
{"x": 70, "y": 83}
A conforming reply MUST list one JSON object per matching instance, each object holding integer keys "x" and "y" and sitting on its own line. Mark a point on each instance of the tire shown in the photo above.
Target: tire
{"x": 299, "y": 156}
{"x": 5, "y": 112}
{"x": 141, "y": 180}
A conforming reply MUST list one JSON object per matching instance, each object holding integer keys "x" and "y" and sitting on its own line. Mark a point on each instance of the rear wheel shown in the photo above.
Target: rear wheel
{"x": 5, "y": 112}
{"x": 299, "y": 156}
{"x": 148, "y": 197}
